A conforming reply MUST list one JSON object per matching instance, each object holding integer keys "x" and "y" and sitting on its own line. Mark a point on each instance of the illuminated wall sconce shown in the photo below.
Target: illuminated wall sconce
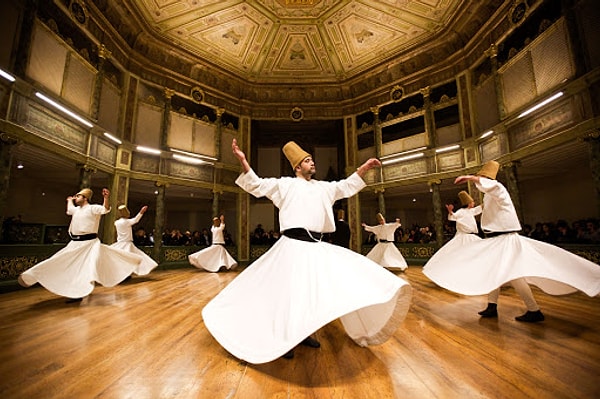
{"x": 112, "y": 138}
{"x": 63, "y": 109}
{"x": 402, "y": 156}
{"x": 148, "y": 150}
{"x": 7, "y": 76}
{"x": 192, "y": 157}
{"x": 448, "y": 148}
{"x": 540, "y": 105}
{"x": 486, "y": 134}
{"x": 20, "y": 165}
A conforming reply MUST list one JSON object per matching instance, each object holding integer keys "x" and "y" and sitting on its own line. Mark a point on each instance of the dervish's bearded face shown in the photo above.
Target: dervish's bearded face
{"x": 306, "y": 168}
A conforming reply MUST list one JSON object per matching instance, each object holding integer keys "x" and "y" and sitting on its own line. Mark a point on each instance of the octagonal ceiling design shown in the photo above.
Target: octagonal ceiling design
{"x": 296, "y": 40}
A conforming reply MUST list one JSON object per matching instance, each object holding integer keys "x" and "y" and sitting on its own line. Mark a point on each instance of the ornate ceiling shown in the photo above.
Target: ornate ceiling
{"x": 296, "y": 41}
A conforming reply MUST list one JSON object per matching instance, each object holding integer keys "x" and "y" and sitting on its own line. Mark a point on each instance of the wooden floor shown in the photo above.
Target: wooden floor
{"x": 145, "y": 339}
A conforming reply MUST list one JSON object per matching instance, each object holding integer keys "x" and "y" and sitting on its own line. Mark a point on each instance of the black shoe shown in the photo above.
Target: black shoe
{"x": 309, "y": 341}
{"x": 531, "y": 317}
{"x": 490, "y": 311}
{"x": 73, "y": 300}
{"x": 289, "y": 355}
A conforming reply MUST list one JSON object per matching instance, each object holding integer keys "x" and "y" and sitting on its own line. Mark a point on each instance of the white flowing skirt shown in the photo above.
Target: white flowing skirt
{"x": 212, "y": 259}
{"x": 481, "y": 266}
{"x": 72, "y": 271}
{"x": 147, "y": 264}
{"x": 387, "y": 255}
{"x": 298, "y": 287}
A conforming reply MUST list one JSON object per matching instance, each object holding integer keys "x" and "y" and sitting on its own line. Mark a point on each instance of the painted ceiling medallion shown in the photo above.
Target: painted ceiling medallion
{"x": 297, "y": 114}
{"x": 197, "y": 95}
{"x": 396, "y": 93}
{"x": 78, "y": 11}
{"x": 518, "y": 12}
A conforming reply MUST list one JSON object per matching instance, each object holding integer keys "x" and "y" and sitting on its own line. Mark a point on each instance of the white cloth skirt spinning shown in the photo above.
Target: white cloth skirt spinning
{"x": 298, "y": 287}
{"x": 212, "y": 259}
{"x": 455, "y": 246}
{"x": 72, "y": 271}
{"x": 147, "y": 264}
{"x": 482, "y": 266}
{"x": 386, "y": 254}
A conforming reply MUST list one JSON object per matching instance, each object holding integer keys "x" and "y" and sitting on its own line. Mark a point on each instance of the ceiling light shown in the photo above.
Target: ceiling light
{"x": 7, "y": 76}
{"x": 113, "y": 138}
{"x": 148, "y": 150}
{"x": 540, "y": 105}
{"x": 448, "y": 148}
{"x": 63, "y": 109}
{"x": 20, "y": 165}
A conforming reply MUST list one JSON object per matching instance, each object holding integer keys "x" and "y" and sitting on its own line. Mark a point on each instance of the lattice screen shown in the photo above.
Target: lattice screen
{"x": 518, "y": 83}
{"x": 551, "y": 57}
{"x": 110, "y": 101}
{"x": 486, "y": 106}
{"x": 47, "y": 60}
{"x": 204, "y": 139}
{"x": 79, "y": 84}
{"x": 180, "y": 132}
{"x": 147, "y": 125}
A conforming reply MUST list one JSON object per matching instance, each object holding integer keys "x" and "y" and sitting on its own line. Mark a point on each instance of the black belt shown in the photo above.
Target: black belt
{"x": 84, "y": 237}
{"x": 490, "y": 234}
{"x": 303, "y": 235}
{"x": 385, "y": 241}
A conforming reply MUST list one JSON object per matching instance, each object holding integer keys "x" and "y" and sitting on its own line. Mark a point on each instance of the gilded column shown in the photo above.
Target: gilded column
{"x": 25, "y": 37}
{"x": 438, "y": 221}
{"x": 166, "y": 119}
{"x": 6, "y": 145}
{"x": 103, "y": 55}
{"x": 428, "y": 115}
{"x": 118, "y": 196}
{"x": 512, "y": 185}
{"x": 218, "y": 132}
{"x": 378, "y": 146}
{"x": 85, "y": 175}
{"x": 353, "y": 203}
{"x": 159, "y": 219}
{"x": 492, "y": 53}
{"x": 593, "y": 140}
{"x": 243, "y": 198}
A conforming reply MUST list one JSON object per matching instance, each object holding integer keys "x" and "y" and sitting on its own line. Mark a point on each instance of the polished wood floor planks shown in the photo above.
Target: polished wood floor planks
{"x": 145, "y": 339}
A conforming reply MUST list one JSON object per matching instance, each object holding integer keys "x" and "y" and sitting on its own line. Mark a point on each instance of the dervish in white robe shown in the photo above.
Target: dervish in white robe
{"x": 483, "y": 266}
{"x": 124, "y": 225}
{"x": 215, "y": 257}
{"x": 72, "y": 271}
{"x": 299, "y": 286}
{"x": 385, "y": 252}
{"x": 466, "y": 233}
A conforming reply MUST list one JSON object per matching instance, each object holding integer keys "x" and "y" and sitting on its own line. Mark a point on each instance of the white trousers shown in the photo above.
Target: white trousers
{"x": 524, "y": 291}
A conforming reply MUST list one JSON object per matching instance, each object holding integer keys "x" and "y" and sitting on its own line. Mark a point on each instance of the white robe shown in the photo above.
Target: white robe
{"x": 298, "y": 287}
{"x": 72, "y": 271}
{"x": 215, "y": 257}
{"x": 125, "y": 242}
{"x": 484, "y": 265}
{"x": 386, "y": 254}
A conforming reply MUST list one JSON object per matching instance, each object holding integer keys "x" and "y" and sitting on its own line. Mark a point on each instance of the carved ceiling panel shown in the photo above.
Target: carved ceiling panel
{"x": 272, "y": 41}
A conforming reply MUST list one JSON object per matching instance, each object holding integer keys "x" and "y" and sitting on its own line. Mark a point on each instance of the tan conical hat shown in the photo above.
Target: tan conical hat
{"x": 489, "y": 170}
{"x": 465, "y": 198}
{"x": 294, "y": 153}
{"x": 87, "y": 193}
{"x": 380, "y": 217}
{"x": 123, "y": 211}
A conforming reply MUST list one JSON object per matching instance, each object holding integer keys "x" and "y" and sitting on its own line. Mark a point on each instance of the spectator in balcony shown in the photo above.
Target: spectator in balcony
{"x": 505, "y": 256}
{"x": 71, "y": 272}
{"x": 385, "y": 252}
{"x": 215, "y": 257}
{"x": 141, "y": 239}
{"x": 124, "y": 225}
{"x": 302, "y": 283}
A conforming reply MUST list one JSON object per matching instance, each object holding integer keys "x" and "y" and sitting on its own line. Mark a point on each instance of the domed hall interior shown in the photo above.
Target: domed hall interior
{"x": 146, "y": 97}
